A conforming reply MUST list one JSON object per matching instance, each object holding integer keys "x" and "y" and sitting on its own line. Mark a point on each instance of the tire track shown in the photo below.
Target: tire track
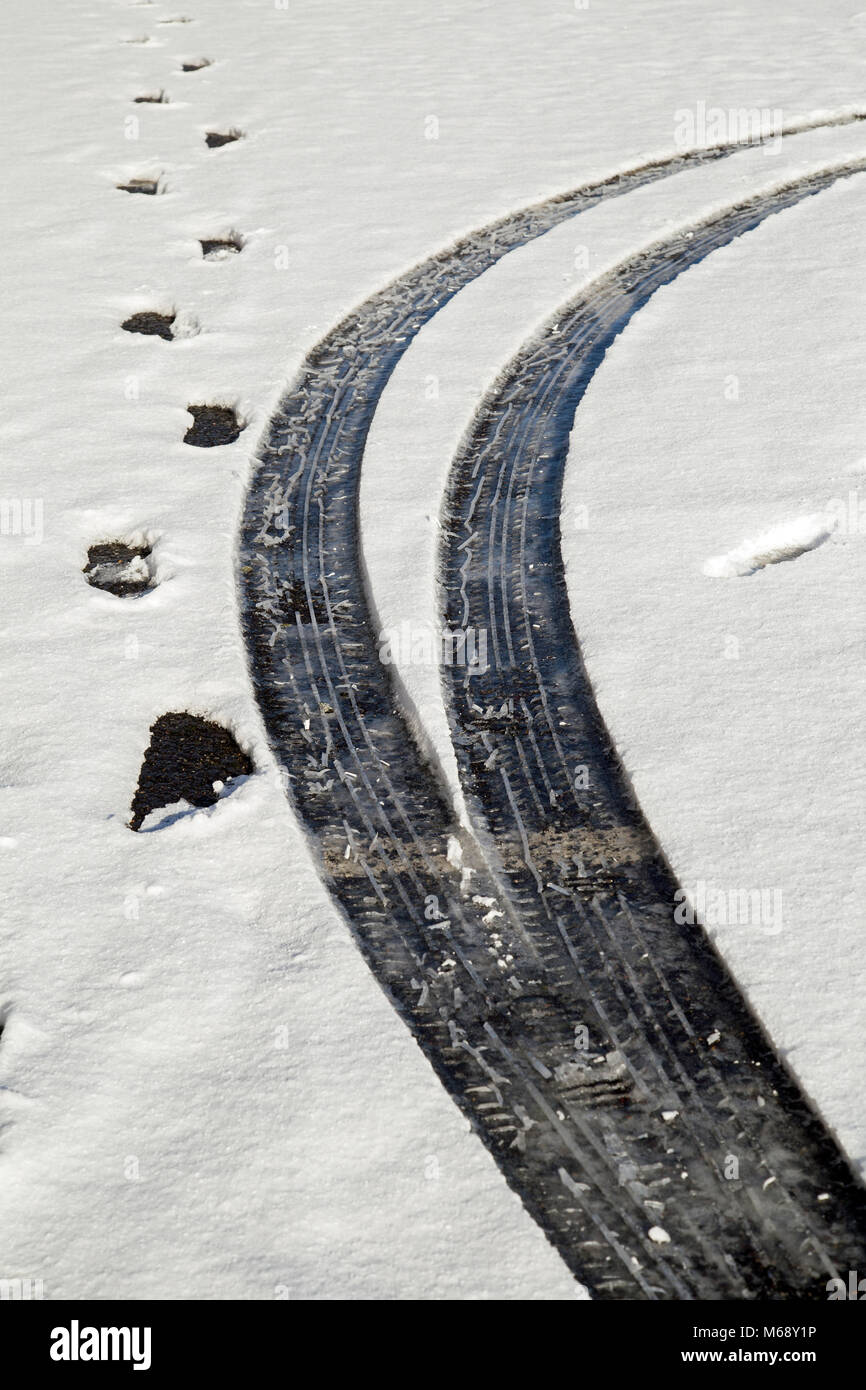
{"x": 487, "y": 984}
{"x": 653, "y": 990}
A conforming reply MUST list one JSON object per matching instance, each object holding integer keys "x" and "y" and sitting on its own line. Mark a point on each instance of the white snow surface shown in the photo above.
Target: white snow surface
{"x": 204, "y": 1093}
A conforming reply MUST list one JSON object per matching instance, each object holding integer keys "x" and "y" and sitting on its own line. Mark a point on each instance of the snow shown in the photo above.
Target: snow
{"x": 785, "y": 541}
{"x": 204, "y": 1093}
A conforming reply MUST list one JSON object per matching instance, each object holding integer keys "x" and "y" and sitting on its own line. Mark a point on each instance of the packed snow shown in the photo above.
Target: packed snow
{"x": 785, "y": 541}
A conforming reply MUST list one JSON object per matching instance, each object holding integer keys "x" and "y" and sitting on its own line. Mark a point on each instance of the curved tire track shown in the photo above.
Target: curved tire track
{"x": 581, "y": 858}
{"x": 492, "y": 988}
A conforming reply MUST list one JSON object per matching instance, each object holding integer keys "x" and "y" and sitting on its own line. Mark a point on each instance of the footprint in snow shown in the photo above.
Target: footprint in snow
{"x": 121, "y": 568}
{"x": 221, "y": 247}
{"x": 144, "y": 183}
{"x": 188, "y": 759}
{"x": 151, "y": 322}
{"x": 215, "y": 139}
{"x": 213, "y": 425}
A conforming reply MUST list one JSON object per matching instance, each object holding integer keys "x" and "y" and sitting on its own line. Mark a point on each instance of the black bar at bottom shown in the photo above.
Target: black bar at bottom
{"x": 330, "y": 1339}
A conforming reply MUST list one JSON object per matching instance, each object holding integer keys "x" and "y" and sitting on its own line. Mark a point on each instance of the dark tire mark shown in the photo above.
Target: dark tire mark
{"x": 577, "y": 852}
{"x": 493, "y": 1003}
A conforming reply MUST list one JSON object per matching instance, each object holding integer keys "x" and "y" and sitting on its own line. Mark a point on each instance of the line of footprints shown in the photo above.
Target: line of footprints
{"x": 189, "y": 758}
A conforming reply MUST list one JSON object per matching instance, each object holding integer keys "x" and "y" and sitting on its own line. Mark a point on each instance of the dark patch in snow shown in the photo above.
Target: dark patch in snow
{"x": 212, "y": 425}
{"x": 189, "y": 759}
{"x": 215, "y": 139}
{"x": 218, "y": 248}
{"x": 157, "y": 98}
{"x": 140, "y": 185}
{"x": 196, "y": 64}
{"x": 150, "y": 322}
{"x": 119, "y": 568}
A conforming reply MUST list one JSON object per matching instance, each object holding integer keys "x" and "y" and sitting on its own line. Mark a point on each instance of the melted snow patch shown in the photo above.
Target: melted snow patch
{"x": 786, "y": 541}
